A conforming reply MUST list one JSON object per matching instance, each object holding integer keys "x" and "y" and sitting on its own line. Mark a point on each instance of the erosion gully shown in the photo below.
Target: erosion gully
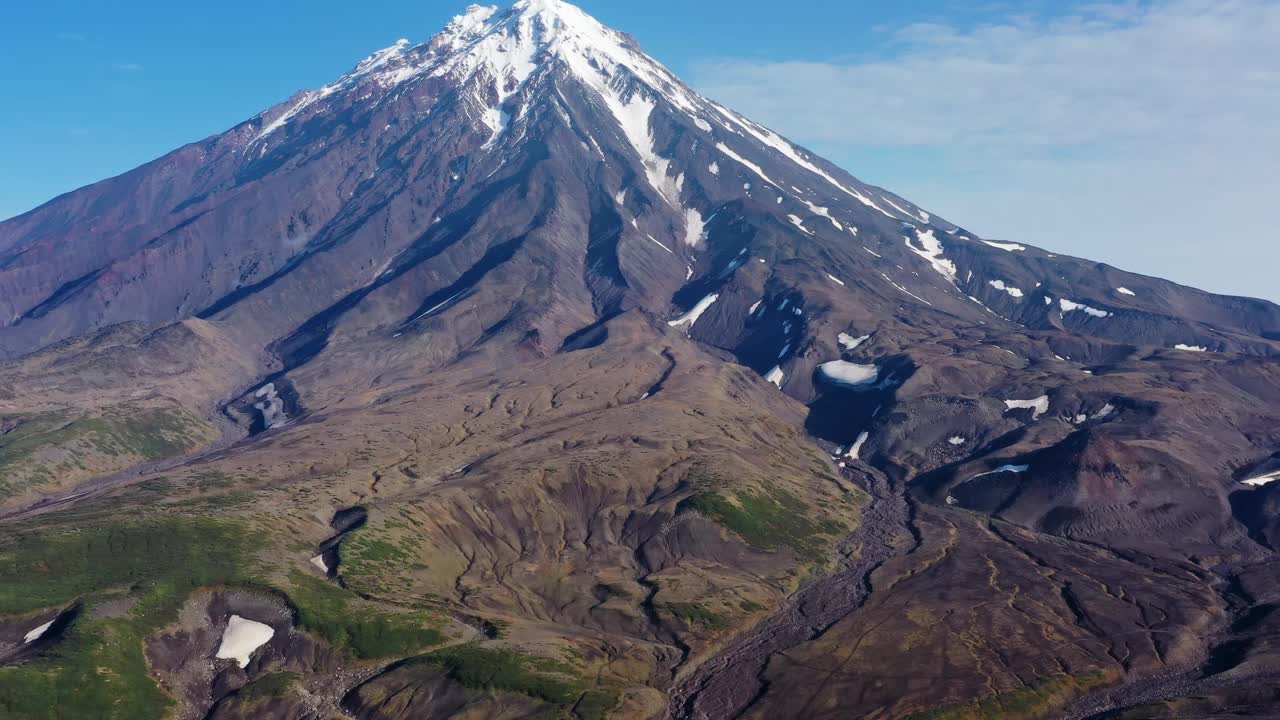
{"x": 731, "y": 682}
{"x": 728, "y": 684}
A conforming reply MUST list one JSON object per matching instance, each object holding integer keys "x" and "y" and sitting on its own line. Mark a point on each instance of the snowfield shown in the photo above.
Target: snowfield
{"x": 1038, "y": 406}
{"x": 849, "y": 374}
{"x": 242, "y": 638}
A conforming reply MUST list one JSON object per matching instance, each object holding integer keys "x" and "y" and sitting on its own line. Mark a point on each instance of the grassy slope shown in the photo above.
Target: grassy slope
{"x": 98, "y": 669}
{"x": 59, "y": 449}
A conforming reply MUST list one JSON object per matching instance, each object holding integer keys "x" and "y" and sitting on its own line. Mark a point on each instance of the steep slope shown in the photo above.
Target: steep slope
{"x": 517, "y": 379}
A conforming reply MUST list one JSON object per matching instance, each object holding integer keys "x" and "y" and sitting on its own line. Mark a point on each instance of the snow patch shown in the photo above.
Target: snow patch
{"x": 1261, "y": 480}
{"x": 1191, "y": 348}
{"x": 849, "y": 374}
{"x": 745, "y": 163}
{"x": 1069, "y": 306}
{"x": 855, "y": 450}
{"x": 956, "y": 440}
{"x": 1000, "y": 285}
{"x": 835, "y": 279}
{"x": 849, "y": 342}
{"x": 1126, "y": 291}
{"x": 242, "y": 638}
{"x": 1038, "y": 406}
{"x": 931, "y": 250}
{"x": 688, "y": 319}
{"x": 36, "y": 633}
{"x": 1006, "y": 246}
{"x": 799, "y": 223}
{"x": 824, "y": 213}
{"x": 694, "y": 227}
{"x": 776, "y": 376}
{"x": 271, "y": 406}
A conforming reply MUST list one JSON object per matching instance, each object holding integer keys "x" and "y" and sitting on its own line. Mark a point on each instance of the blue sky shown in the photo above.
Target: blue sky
{"x": 1132, "y": 132}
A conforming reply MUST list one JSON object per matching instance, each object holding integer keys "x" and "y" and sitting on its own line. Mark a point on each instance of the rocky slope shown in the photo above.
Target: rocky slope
{"x": 507, "y": 376}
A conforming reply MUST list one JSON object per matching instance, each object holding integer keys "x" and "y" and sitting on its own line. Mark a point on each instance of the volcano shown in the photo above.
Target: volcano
{"x": 643, "y": 410}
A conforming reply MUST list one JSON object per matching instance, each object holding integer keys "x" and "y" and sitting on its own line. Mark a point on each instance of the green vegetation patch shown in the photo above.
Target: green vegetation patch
{"x": 56, "y": 446}
{"x": 767, "y": 519}
{"x": 161, "y": 559}
{"x": 97, "y": 669}
{"x": 268, "y": 686}
{"x": 501, "y": 669}
{"x": 98, "y": 672}
{"x": 1039, "y": 700}
{"x": 692, "y": 613}
{"x": 327, "y": 611}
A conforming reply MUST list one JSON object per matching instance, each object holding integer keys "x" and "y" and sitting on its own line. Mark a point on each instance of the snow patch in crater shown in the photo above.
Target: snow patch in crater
{"x": 242, "y": 638}
{"x": 849, "y": 374}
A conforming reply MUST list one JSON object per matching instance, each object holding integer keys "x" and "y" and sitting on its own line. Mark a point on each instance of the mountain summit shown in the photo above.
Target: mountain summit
{"x": 508, "y": 376}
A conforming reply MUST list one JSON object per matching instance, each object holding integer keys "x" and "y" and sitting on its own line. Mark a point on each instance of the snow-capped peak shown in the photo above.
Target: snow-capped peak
{"x": 504, "y": 63}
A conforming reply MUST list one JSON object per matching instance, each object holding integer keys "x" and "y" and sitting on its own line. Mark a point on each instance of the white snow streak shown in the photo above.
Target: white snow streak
{"x": 931, "y": 250}
{"x": 1006, "y": 246}
{"x": 1069, "y": 306}
{"x": 688, "y": 319}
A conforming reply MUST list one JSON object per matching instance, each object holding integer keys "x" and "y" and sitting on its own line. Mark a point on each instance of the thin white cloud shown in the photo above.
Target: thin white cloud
{"x": 1143, "y": 133}
{"x": 128, "y": 66}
